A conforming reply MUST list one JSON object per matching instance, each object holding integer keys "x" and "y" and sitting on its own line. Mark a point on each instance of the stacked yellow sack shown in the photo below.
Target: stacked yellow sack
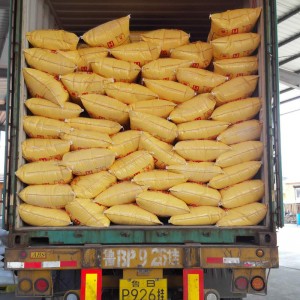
{"x": 234, "y": 21}
{"x": 86, "y": 212}
{"x": 52, "y": 39}
{"x": 164, "y": 68}
{"x": 167, "y": 39}
{"x": 42, "y": 216}
{"x": 179, "y": 151}
{"x": 240, "y": 132}
{"x": 235, "y": 45}
{"x": 48, "y": 190}
{"x": 161, "y": 204}
{"x": 246, "y": 215}
{"x": 109, "y": 35}
{"x": 43, "y": 85}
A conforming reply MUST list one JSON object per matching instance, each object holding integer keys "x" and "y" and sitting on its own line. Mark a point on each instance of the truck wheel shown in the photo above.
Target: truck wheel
{"x": 231, "y": 299}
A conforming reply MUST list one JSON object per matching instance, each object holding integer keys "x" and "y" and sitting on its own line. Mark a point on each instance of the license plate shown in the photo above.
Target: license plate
{"x": 143, "y": 289}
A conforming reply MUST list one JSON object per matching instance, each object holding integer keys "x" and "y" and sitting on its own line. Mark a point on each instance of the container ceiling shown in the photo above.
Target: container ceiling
{"x": 78, "y": 16}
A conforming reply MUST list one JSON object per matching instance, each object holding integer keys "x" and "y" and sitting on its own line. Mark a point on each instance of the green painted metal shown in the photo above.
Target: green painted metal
{"x": 142, "y": 235}
{"x": 276, "y": 93}
{"x": 273, "y": 116}
{"x": 269, "y": 119}
{"x": 13, "y": 112}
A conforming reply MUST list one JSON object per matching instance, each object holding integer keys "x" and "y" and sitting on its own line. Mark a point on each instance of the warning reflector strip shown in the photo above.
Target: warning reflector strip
{"x": 193, "y": 284}
{"x": 214, "y": 260}
{"x": 41, "y": 264}
{"x": 223, "y": 260}
{"x": 15, "y": 265}
{"x": 91, "y": 284}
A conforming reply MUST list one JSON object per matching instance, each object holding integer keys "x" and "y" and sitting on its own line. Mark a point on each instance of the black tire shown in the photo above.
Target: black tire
{"x": 231, "y": 299}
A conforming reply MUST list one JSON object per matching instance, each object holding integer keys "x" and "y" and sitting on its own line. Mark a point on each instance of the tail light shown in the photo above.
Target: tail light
{"x": 260, "y": 253}
{"x": 41, "y": 285}
{"x": 257, "y": 283}
{"x": 211, "y": 296}
{"x": 241, "y": 283}
{"x": 71, "y": 295}
{"x": 25, "y": 285}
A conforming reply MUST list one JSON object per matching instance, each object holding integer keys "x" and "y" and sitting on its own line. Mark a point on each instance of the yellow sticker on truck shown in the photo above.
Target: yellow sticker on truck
{"x": 143, "y": 289}
{"x": 38, "y": 254}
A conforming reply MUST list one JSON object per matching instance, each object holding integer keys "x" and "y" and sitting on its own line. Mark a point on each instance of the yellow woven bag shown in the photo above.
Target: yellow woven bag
{"x": 119, "y": 70}
{"x": 237, "y": 111}
{"x": 167, "y": 39}
{"x": 42, "y": 216}
{"x": 201, "y": 81}
{"x": 199, "y": 53}
{"x": 198, "y": 108}
{"x": 89, "y": 55}
{"x": 52, "y": 195}
{"x": 49, "y": 61}
{"x": 162, "y": 152}
{"x": 164, "y": 68}
{"x": 123, "y": 192}
{"x": 235, "y": 174}
{"x": 236, "y": 45}
{"x": 243, "y": 193}
{"x": 127, "y": 167}
{"x": 159, "y": 179}
{"x": 103, "y": 126}
{"x": 234, "y": 21}
{"x": 104, "y": 107}
{"x": 241, "y": 152}
{"x": 235, "y": 89}
{"x": 161, "y": 204}
{"x": 45, "y": 108}
{"x": 200, "y": 150}
{"x": 201, "y": 130}
{"x": 126, "y": 142}
{"x": 87, "y": 213}
{"x": 129, "y": 93}
{"x": 130, "y": 214}
{"x": 156, "y": 126}
{"x": 44, "y": 149}
{"x": 139, "y": 53}
{"x": 170, "y": 90}
{"x": 196, "y": 194}
{"x": 81, "y": 83}
{"x": 90, "y": 186}
{"x": 88, "y": 161}
{"x": 84, "y": 139}
{"x": 52, "y": 39}
{"x": 199, "y": 172}
{"x": 241, "y": 132}
{"x": 43, "y": 85}
{"x": 41, "y": 127}
{"x": 202, "y": 215}
{"x": 235, "y": 67}
{"x": 46, "y": 172}
{"x": 157, "y": 107}
{"x": 246, "y": 215}
{"x": 110, "y": 34}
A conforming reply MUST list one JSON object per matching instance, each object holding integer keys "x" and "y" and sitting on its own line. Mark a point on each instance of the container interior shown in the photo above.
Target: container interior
{"x": 191, "y": 16}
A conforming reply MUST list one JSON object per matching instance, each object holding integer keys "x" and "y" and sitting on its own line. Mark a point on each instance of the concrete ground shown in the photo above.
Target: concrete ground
{"x": 284, "y": 283}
